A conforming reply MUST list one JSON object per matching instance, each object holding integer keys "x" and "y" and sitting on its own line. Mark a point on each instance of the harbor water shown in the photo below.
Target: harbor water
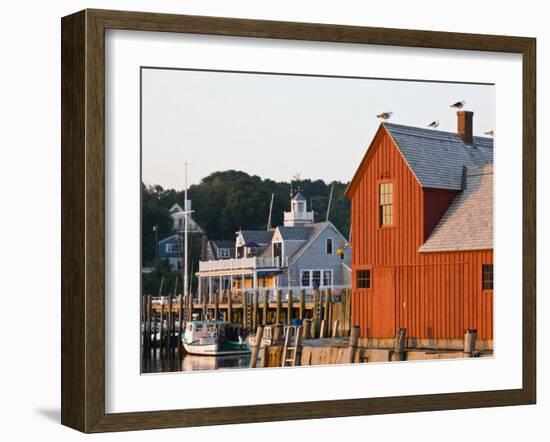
{"x": 162, "y": 361}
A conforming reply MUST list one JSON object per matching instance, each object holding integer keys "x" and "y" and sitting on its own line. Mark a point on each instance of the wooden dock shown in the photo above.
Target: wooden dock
{"x": 247, "y": 310}
{"x": 324, "y": 335}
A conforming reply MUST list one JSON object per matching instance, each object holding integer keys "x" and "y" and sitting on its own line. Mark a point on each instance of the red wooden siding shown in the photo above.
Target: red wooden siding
{"x": 433, "y": 295}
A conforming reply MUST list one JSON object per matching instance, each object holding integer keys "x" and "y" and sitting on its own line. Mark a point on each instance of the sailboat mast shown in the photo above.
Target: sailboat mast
{"x": 270, "y": 210}
{"x": 185, "y": 271}
{"x": 330, "y": 201}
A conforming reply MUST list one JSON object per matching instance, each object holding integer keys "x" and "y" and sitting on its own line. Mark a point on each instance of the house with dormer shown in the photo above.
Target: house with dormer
{"x": 300, "y": 254}
{"x": 178, "y": 217}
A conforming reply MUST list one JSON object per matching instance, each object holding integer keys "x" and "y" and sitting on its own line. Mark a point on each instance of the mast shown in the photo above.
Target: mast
{"x": 185, "y": 271}
{"x": 329, "y": 201}
{"x": 270, "y": 210}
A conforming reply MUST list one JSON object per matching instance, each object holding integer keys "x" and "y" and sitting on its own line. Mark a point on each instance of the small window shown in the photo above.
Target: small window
{"x": 305, "y": 278}
{"x": 329, "y": 246}
{"x": 385, "y": 209}
{"x": 173, "y": 248}
{"x": 277, "y": 249}
{"x": 487, "y": 276}
{"x": 316, "y": 277}
{"x": 363, "y": 279}
{"x": 300, "y": 207}
{"x": 327, "y": 278}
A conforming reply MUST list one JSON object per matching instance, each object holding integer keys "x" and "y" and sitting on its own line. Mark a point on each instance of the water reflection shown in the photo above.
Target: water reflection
{"x": 161, "y": 361}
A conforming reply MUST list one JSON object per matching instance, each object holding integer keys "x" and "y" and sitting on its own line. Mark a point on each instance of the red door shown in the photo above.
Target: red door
{"x": 383, "y": 303}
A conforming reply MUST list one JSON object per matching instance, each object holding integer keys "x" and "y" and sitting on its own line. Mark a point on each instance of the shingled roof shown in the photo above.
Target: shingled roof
{"x": 468, "y": 222}
{"x": 295, "y": 233}
{"x": 437, "y": 158}
{"x": 258, "y": 236}
{"x": 315, "y": 231}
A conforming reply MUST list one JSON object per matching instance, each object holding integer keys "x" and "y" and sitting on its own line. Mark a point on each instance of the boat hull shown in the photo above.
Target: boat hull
{"x": 215, "y": 349}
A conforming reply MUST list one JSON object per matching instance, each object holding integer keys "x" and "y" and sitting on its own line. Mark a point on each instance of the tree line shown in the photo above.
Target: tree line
{"x": 231, "y": 200}
{"x": 224, "y": 202}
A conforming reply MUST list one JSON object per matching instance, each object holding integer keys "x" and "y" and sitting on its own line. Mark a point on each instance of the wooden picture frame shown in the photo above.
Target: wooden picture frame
{"x": 83, "y": 219}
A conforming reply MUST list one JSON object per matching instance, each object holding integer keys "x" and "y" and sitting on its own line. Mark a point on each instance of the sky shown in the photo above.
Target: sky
{"x": 276, "y": 126}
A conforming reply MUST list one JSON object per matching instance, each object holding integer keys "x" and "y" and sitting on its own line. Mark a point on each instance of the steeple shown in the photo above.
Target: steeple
{"x": 298, "y": 214}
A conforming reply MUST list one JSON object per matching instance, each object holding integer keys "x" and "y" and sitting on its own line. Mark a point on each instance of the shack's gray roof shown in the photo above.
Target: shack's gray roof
{"x": 437, "y": 158}
{"x": 468, "y": 222}
{"x": 297, "y": 233}
{"x": 258, "y": 236}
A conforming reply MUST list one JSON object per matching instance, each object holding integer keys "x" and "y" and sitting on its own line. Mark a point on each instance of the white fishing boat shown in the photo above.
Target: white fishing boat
{"x": 212, "y": 338}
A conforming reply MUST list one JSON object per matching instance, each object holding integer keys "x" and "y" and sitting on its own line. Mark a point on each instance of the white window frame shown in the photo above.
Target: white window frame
{"x": 169, "y": 246}
{"x": 302, "y": 278}
{"x": 322, "y": 278}
{"x": 225, "y": 253}
{"x": 331, "y": 278}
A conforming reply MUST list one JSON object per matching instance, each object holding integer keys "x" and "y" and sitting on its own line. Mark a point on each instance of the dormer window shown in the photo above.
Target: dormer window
{"x": 277, "y": 250}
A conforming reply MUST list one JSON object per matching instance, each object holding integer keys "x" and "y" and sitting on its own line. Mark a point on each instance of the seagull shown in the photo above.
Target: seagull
{"x": 490, "y": 132}
{"x": 385, "y": 115}
{"x": 434, "y": 124}
{"x": 458, "y": 104}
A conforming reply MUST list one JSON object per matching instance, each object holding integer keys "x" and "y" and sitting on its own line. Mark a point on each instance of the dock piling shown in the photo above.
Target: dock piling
{"x": 255, "y": 310}
{"x": 279, "y": 307}
{"x": 302, "y": 304}
{"x": 230, "y": 304}
{"x": 169, "y": 319}
{"x": 265, "y": 307}
{"x": 400, "y": 340}
{"x": 336, "y": 329}
{"x": 307, "y": 328}
{"x": 353, "y": 340}
{"x": 256, "y": 348}
{"x": 323, "y": 329}
{"x": 470, "y": 337}
{"x": 289, "y": 308}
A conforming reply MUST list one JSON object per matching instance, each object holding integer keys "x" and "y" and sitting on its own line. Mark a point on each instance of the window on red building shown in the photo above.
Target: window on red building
{"x": 363, "y": 279}
{"x": 385, "y": 209}
{"x": 487, "y": 276}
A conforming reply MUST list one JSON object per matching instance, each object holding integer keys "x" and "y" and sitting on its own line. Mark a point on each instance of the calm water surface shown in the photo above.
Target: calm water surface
{"x": 161, "y": 361}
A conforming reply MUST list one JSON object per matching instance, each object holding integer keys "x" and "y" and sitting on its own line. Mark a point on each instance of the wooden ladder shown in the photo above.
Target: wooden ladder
{"x": 249, "y": 322}
{"x": 292, "y": 349}
{"x": 317, "y": 305}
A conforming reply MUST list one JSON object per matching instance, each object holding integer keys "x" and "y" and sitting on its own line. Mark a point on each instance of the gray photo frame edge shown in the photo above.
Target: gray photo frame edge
{"x": 83, "y": 217}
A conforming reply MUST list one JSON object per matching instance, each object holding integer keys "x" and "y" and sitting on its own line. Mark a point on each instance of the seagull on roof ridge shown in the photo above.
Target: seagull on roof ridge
{"x": 385, "y": 115}
{"x": 434, "y": 124}
{"x": 458, "y": 105}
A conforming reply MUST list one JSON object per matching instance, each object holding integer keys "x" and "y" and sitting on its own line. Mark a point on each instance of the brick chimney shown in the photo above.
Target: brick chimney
{"x": 465, "y": 122}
